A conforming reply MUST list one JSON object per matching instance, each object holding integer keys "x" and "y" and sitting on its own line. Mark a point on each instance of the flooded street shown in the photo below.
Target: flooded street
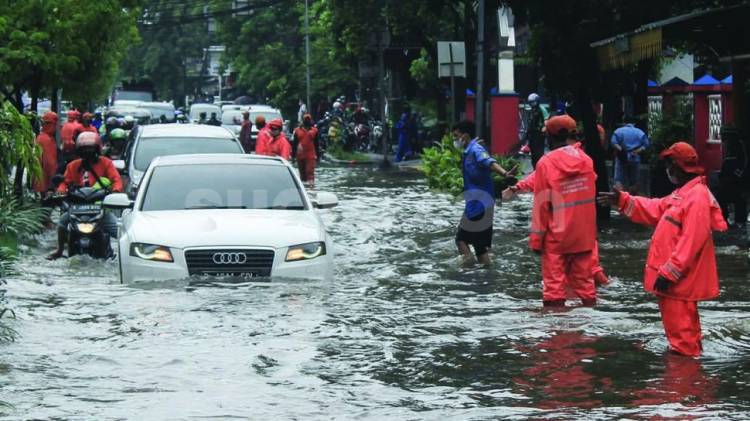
{"x": 401, "y": 333}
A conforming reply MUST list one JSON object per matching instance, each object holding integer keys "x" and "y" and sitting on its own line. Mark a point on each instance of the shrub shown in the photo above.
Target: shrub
{"x": 441, "y": 165}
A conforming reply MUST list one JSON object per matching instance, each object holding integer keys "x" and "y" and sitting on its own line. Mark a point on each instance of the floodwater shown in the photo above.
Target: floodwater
{"x": 401, "y": 333}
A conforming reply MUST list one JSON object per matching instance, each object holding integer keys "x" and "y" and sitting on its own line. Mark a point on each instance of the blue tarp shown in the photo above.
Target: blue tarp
{"x": 727, "y": 80}
{"x": 652, "y": 84}
{"x": 706, "y": 80}
{"x": 469, "y": 92}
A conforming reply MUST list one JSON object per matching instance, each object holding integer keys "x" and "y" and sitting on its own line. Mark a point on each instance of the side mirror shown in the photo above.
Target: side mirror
{"x": 325, "y": 200}
{"x": 118, "y": 201}
{"x": 119, "y": 165}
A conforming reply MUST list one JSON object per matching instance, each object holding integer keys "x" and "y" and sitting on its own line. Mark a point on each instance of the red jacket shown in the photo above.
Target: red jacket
{"x": 262, "y": 140}
{"x": 48, "y": 160}
{"x": 527, "y": 184}
{"x": 104, "y": 167}
{"x": 67, "y": 135}
{"x": 682, "y": 248}
{"x": 266, "y": 145}
{"x": 564, "y": 213}
{"x": 305, "y": 139}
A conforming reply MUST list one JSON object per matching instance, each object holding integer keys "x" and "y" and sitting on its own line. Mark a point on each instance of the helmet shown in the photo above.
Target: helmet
{"x": 129, "y": 119}
{"x": 276, "y": 124}
{"x": 49, "y": 118}
{"x": 562, "y": 125}
{"x": 118, "y": 134}
{"x": 88, "y": 140}
{"x": 88, "y": 116}
{"x": 533, "y": 98}
{"x": 111, "y": 121}
{"x": 260, "y": 121}
{"x": 336, "y": 104}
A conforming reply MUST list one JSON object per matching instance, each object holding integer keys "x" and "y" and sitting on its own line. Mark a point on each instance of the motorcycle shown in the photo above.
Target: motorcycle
{"x": 86, "y": 234}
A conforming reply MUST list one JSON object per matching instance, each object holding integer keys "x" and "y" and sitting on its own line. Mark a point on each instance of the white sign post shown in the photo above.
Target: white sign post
{"x": 452, "y": 64}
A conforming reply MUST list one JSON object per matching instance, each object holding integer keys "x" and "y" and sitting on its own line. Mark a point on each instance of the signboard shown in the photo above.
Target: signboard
{"x": 506, "y": 29}
{"x": 451, "y": 55}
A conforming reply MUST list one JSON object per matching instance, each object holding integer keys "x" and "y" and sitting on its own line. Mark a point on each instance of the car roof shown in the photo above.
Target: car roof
{"x": 186, "y": 130}
{"x": 198, "y": 159}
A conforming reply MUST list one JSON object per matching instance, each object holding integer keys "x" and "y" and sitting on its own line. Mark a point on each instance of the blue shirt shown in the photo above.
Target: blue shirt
{"x": 478, "y": 189}
{"x": 630, "y": 138}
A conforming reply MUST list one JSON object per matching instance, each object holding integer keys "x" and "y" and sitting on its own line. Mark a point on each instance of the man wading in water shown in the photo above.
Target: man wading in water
{"x": 475, "y": 228}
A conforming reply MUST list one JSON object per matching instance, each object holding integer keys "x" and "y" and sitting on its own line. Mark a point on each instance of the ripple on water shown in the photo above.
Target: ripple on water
{"x": 401, "y": 333}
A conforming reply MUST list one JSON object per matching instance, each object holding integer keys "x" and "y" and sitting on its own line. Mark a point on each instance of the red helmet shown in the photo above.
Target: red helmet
{"x": 88, "y": 116}
{"x": 89, "y": 139}
{"x": 49, "y": 117}
{"x": 276, "y": 124}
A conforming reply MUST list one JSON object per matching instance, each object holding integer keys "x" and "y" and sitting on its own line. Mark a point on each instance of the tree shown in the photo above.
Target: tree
{"x": 266, "y": 50}
{"x": 51, "y": 44}
{"x": 173, "y": 38}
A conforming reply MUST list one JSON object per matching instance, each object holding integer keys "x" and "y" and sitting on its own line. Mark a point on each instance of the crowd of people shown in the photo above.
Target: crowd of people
{"x": 681, "y": 265}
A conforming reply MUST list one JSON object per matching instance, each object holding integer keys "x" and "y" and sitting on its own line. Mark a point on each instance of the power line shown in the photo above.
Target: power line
{"x": 171, "y": 21}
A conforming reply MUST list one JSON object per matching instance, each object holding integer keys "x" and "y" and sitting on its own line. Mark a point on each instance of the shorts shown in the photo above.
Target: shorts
{"x": 627, "y": 173}
{"x": 480, "y": 240}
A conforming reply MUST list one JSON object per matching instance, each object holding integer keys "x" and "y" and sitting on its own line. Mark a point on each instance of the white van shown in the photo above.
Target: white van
{"x": 159, "y": 110}
{"x": 197, "y": 109}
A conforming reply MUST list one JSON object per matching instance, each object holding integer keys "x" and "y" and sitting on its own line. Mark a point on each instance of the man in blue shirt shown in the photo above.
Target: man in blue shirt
{"x": 629, "y": 142}
{"x": 475, "y": 228}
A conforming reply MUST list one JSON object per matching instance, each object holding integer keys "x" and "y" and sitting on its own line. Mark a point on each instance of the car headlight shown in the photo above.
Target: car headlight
{"x": 151, "y": 252}
{"x": 305, "y": 251}
{"x": 85, "y": 227}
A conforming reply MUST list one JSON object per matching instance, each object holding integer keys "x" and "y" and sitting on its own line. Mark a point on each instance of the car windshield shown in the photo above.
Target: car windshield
{"x": 222, "y": 186}
{"x": 151, "y": 147}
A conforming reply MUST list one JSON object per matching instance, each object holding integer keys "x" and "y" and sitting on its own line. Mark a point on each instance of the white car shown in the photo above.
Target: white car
{"x": 222, "y": 215}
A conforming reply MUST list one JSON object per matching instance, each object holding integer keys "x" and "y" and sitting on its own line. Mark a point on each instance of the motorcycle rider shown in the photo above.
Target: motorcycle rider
{"x": 89, "y": 170}
{"x": 48, "y": 159}
{"x": 275, "y": 142}
{"x": 534, "y": 134}
{"x": 115, "y": 145}
{"x": 213, "y": 121}
{"x": 305, "y": 149}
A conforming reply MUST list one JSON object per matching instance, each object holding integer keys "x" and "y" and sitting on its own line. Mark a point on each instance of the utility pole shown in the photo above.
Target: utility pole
{"x": 479, "y": 114}
{"x": 307, "y": 52}
{"x": 381, "y": 87}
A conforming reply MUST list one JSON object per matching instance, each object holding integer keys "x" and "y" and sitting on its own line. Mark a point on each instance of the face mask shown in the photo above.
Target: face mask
{"x": 672, "y": 178}
{"x": 89, "y": 156}
{"x": 458, "y": 144}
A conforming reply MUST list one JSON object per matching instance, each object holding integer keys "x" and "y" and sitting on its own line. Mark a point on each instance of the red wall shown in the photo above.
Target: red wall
{"x": 504, "y": 123}
{"x": 470, "y": 105}
{"x": 709, "y": 153}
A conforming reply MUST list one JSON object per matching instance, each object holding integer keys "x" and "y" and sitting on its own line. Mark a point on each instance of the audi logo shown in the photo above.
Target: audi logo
{"x": 229, "y": 258}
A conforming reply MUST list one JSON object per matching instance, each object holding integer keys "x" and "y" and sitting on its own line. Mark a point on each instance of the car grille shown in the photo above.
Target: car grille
{"x": 230, "y": 262}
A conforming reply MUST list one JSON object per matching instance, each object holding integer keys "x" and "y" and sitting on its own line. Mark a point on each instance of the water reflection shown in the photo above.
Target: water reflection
{"x": 401, "y": 333}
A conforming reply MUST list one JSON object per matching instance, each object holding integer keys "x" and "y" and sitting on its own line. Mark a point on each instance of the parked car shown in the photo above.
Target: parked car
{"x": 156, "y": 140}
{"x": 197, "y": 109}
{"x": 244, "y": 216}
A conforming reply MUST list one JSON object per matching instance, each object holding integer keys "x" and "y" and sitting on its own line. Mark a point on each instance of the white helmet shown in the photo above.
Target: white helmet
{"x": 533, "y": 98}
{"x": 336, "y": 105}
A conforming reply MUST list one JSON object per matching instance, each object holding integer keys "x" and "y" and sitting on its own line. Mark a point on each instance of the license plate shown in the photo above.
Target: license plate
{"x": 86, "y": 208}
{"x": 234, "y": 275}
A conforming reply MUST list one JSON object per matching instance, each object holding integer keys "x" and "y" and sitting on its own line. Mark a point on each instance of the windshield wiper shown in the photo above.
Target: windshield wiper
{"x": 291, "y": 207}
{"x": 214, "y": 207}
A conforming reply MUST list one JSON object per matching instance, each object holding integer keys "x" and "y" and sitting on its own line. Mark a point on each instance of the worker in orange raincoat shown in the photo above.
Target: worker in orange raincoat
{"x": 48, "y": 159}
{"x": 564, "y": 195}
{"x": 69, "y": 130}
{"x": 681, "y": 264}
{"x": 305, "y": 148}
{"x": 275, "y": 143}
{"x": 85, "y": 126}
{"x": 527, "y": 186}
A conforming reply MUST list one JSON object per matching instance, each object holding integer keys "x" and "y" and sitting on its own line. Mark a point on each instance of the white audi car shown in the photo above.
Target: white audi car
{"x": 222, "y": 215}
